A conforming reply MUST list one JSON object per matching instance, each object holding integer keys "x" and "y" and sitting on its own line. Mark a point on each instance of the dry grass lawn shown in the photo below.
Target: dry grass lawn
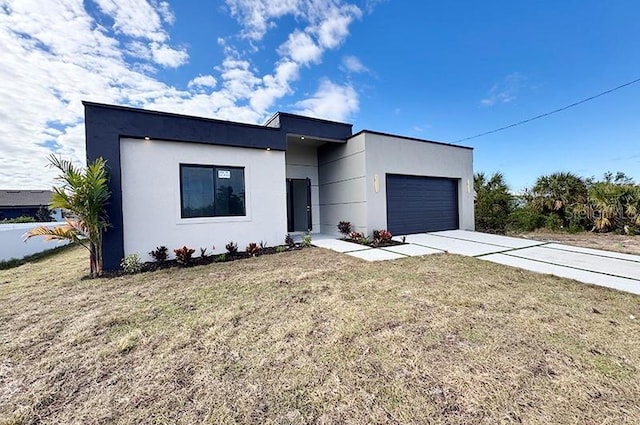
{"x": 315, "y": 337}
{"x": 608, "y": 241}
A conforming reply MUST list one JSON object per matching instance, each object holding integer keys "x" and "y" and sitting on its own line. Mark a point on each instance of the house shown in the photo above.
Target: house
{"x": 19, "y": 203}
{"x": 181, "y": 180}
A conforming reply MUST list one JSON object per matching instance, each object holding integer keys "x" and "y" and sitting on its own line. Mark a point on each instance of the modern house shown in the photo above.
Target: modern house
{"x": 20, "y": 203}
{"x": 181, "y": 180}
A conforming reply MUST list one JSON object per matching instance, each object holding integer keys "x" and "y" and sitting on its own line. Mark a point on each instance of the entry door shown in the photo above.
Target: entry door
{"x": 298, "y": 205}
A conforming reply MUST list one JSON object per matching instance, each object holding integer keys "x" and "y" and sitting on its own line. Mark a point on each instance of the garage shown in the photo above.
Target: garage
{"x": 417, "y": 204}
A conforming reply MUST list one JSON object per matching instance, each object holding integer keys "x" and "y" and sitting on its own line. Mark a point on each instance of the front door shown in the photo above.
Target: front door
{"x": 298, "y": 205}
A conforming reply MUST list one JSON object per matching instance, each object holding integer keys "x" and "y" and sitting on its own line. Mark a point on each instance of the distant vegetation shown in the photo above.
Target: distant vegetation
{"x": 559, "y": 201}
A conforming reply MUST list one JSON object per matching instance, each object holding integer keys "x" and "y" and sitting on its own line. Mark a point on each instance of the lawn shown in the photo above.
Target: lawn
{"x": 315, "y": 337}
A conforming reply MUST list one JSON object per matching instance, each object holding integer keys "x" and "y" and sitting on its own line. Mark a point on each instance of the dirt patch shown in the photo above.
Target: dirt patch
{"x": 606, "y": 241}
{"x": 313, "y": 336}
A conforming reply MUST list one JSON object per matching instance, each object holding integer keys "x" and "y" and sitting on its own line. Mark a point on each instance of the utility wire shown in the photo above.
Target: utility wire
{"x": 549, "y": 113}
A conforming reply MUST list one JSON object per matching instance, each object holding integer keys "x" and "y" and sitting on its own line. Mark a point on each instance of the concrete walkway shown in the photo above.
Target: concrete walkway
{"x": 603, "y": 268}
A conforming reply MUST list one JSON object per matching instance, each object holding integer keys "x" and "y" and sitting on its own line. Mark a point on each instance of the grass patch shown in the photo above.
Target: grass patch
{"x": 312, "y": 336}
{"x": 15, "y": 262}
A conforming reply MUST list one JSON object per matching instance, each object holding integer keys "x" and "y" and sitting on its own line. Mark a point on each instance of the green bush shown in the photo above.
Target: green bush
{"x": 553, "y": 221}
{"x": 493, "y": 203}
{"x": 525, "y": 219}
{"x": 131, "y": 264}
{"x": 21, "y": 219}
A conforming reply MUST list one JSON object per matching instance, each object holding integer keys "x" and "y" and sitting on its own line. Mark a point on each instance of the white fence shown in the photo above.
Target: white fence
{"x": 12, "y": 244}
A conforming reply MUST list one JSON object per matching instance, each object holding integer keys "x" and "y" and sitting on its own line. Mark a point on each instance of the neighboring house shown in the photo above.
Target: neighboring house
{"x": 180, "y": 180}
{"x": 18, "y": 203}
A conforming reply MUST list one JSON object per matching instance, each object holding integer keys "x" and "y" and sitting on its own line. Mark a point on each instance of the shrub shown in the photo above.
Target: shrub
{"x": 131, "y": 264}
{"x": 203, "y": 252}
{"x": 384, "y": 235}
{"x": 553, "y": 222}
{"x": 184, "y": 256}
{"x": 281, "y": 248}
{"x": 288, "y": 240}
{"x": 232, "y": 248}
{"x": 263, "y": 245}
{"x": 160, "y": 254}
{"x": 306, "y": 240}
{"x": 21, "y": 219}
{"x": 354, "y": 236}
{"x": 344, "y": 227}
{"x": 493, "y": 202}
{"x": 253, "y": 249}
{"x": 220, "y": 258}
{"x": 364, "y": 240}
{"x": 525, "y": 219}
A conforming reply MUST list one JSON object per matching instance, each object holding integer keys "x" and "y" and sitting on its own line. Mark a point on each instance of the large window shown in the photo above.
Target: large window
{"x": 211, "y": 191}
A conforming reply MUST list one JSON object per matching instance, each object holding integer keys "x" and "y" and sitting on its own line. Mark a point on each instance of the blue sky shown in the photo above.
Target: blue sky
{"x": 435, "y": 70}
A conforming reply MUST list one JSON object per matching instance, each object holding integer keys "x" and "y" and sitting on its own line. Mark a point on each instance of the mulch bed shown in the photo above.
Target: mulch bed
{"x": 374, "y": 244}
{"x": 151, "y": 266}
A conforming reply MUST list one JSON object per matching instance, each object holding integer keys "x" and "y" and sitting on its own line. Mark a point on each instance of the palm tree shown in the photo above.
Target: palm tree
{"x": 85, "y": 194}
{"x": 562, "y": 193}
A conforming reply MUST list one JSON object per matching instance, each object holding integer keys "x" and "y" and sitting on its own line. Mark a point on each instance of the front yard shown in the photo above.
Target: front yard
{"x": 313, "y": 336}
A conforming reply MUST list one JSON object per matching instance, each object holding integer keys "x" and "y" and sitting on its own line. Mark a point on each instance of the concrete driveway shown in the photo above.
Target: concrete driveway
{"x": 603, "y": 268}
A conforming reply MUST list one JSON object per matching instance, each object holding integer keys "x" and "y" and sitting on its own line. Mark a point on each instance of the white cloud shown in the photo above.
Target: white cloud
{"x": 56, "y": 54}
{"x": 301, "y": 48}
{"x": 143, "y": 21}
{"x": 331, "y": 101}
{"x": 203, "y": 81}
{"x": 258, "y": 15}
{"x": 334, "y": 27}
{"x": 505, "y": 91}
{"x": 353, "y": 64}
{"x": 167, "y": 56}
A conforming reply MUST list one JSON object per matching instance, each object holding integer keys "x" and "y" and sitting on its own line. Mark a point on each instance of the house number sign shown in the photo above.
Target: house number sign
{"x": 224, "y": 174}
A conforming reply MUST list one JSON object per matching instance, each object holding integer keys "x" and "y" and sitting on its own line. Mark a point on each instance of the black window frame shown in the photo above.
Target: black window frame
{"x": 214, "y": 169}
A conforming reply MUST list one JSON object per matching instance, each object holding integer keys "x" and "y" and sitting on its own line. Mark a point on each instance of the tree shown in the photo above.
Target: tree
{"x": 493, "y": 202}
{"x": 560, "y": 193}
{"x": 84, "y": 193}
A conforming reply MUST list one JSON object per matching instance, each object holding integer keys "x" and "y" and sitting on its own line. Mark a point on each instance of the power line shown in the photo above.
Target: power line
{"x": 549, "y": 113}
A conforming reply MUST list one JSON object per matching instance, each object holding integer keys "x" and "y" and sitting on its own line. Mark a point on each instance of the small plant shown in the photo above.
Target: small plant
{"x": 354, "y": 236}
{"x": 232, "y": 248}
{"x": 288, "y": 240}
{"x": 404, "y": 239}
{"x": 364, "y": 240}
{"x": 281, "y": 248}
{"x": 160, "y": 254}
{"x": 306, "y": 240}
{"x": 203, "y": 252}
{"x": 263, "y": 245}
{"x": 253, "y": 249}
{"x": 344, "y": 227}
{"x": 220, "y": 258}
{"x": 131, "y": 264}
{"x": 382, "y": 235}
{"x": 184, "y": 256}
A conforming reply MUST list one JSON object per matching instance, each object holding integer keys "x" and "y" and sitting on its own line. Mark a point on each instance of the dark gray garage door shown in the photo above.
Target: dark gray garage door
{"x": 417, "y": 204}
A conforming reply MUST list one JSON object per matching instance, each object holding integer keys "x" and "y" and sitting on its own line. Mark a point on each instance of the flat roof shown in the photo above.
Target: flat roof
{"x": 379, "y": 133}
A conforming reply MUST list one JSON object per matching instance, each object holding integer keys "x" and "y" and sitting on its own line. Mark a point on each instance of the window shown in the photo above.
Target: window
{"x": 211, "y": 191}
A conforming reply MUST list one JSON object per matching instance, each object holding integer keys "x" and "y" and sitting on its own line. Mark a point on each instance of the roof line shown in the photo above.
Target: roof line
{"x": 171, "y": 114}
{"x": 288, "y": 114}
{"x": 380, "y": 133}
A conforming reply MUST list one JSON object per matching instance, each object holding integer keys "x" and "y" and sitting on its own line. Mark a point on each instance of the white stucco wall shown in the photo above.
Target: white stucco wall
{"x": 302, "y": 163}
{"x": 13, "y": 245}
{"x": 395, "y": 155}
{"x": 151, "y": 197}
{"x": 342, "y": 176}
